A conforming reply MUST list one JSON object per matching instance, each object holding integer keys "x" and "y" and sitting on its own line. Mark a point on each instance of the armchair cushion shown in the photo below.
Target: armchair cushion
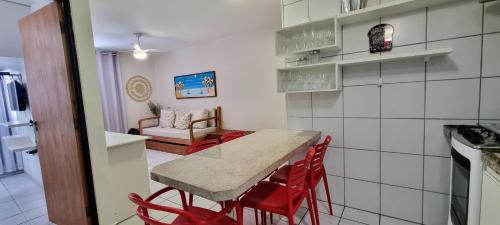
{"x": 177, "y": 133}
{"x": 167, "y": 118}
{"x": 211, "y": 113}
{"x": 182, "y": 120}
{"x": 199, "y": 114}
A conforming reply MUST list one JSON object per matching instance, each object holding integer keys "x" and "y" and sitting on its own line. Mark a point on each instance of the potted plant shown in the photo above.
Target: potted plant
{"x": 154, "y": 108}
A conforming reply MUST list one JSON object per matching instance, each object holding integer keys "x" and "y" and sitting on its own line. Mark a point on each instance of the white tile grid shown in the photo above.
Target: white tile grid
{"x": 22, "y": 201}
{"x": 403, "y": 123}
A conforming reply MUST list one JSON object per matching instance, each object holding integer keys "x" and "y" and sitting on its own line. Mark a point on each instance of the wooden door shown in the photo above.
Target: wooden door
{"x": 53, "y": 105}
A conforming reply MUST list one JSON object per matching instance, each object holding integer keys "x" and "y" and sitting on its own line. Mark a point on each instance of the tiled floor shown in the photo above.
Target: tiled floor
{"x": 342, "y": 215}
{"x": 22, "y": 201}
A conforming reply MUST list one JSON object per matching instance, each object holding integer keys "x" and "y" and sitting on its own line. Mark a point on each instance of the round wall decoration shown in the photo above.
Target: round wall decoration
{"x": 139, "y": 88}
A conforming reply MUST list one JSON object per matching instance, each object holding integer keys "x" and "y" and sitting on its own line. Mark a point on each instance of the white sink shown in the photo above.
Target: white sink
{"x": 17, "y": 143}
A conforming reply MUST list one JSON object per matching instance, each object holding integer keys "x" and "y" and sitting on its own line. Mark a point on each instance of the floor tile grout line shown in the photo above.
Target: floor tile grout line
{"x": 15, "y": 202}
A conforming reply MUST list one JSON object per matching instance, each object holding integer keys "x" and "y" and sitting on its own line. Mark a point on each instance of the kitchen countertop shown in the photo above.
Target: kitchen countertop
{"x": 118, "y": 139}
{"x": 492, "y": 160}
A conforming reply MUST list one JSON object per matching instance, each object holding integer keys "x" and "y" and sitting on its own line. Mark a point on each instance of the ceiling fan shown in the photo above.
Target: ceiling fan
{"x": 138, "y": 51}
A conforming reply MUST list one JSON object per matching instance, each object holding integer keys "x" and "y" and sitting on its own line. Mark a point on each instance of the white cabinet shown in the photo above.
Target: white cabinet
{"x": 302, "y": 11}
{"x": 309, "y": 78}
{"x": 295, "y": 13}
{"x": 490, "y": 198}
{"x": 321, "y": 9}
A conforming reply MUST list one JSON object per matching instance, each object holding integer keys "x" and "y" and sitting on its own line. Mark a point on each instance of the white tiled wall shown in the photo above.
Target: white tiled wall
{"x": 389, "y": 154}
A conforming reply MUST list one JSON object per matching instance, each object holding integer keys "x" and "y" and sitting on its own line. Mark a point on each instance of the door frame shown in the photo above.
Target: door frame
{"x": 80, "y": 122}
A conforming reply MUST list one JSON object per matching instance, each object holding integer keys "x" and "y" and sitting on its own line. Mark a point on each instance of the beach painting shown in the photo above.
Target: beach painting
{"x": 198, "y": 85}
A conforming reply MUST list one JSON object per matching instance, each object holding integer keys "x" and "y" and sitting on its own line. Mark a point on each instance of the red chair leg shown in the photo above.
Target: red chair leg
{"x": 311, "y": 213}
{"x": 290, "y": 220}
{"x": 190, "y": 199}
{"x": 315, "y": 208}
{"x": 256, "y": 217}
{"x": 325, "y": 181}
{"x": 239, "y": 215}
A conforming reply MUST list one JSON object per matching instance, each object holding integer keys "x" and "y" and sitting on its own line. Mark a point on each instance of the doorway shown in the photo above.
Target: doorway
{"x": 57, "y": 186}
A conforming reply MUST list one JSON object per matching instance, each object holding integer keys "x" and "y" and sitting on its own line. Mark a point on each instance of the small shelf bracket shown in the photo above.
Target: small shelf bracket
{"x": 427, "y": 59}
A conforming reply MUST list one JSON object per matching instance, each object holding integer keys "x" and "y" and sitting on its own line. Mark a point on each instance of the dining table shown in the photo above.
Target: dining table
{"x": 226, "y": 171}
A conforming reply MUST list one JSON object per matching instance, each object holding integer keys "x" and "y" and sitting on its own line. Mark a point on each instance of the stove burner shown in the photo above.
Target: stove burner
{"x": 473, "y": 136}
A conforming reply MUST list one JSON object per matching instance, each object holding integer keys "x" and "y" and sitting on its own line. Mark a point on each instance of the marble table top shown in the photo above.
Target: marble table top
{"x": 226, "y": 171}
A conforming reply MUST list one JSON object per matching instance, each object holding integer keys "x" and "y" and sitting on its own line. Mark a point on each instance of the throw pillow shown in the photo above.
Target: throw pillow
{"x": 182, "y": 120}
{"x": 197, "y": 115}
{"x": 211, "y": 113}
{"x": 167, "y": 118}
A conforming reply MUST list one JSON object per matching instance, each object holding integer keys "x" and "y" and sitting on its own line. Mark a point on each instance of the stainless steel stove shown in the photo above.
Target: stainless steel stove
{"x": 467, "y": 145}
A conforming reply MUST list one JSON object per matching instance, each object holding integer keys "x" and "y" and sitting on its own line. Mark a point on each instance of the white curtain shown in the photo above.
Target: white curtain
{"x": 112, "y": 92}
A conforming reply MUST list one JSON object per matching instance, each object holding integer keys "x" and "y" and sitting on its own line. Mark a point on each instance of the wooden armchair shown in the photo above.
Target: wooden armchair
{"x": 172, "y": 144}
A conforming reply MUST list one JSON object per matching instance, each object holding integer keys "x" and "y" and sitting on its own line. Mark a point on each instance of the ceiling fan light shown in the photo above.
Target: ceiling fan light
{"x": 140, "y": 54}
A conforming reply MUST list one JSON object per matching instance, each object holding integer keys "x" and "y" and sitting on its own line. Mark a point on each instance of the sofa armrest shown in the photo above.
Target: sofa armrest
{"x": 191, "y": 133}
{"x": 142, "y": 122}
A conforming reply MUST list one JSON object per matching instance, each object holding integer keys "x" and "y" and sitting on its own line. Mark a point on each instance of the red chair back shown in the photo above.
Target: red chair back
{"x": 144, "y": 206}
{"x": 327, "y": 140}
{"x": 202, "y": 145}
{"x": 297, "y": 178}
{"x": 316, "y": 166}
{"x": 231, "y": 136}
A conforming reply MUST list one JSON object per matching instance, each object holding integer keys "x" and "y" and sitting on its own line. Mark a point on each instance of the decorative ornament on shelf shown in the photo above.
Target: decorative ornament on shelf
{"x": 380, "y": 37}
{"x": 353, "y": 5}
{"x": 139, "y": 88}
{"x": 155, "y": 108}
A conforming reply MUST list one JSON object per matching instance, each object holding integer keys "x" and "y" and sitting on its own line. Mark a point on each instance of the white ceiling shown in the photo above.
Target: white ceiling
{"x": 174, "y": 24}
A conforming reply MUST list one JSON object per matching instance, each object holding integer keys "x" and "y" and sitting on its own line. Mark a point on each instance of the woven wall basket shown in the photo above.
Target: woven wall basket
{"x": 139, "y": 88}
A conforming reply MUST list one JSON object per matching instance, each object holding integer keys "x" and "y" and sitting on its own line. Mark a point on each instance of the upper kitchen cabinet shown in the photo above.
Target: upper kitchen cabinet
{"x": 321, "y": 9}
{"x": 295, "y": 12}
{"x": 302, "y": 11}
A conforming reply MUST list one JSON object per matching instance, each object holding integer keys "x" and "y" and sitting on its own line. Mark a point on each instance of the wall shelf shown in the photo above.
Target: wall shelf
{"x": 426, "y": 55}
{"x": 387, "y": 9}
{"x": 297, "y": 39}
{"x": 323, "y": 77}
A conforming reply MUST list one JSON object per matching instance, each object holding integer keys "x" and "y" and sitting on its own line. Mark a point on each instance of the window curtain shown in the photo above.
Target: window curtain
{"x": 112, "y": 92}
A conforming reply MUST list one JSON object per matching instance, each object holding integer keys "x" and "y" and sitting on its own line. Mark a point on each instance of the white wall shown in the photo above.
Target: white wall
{"x": 389, "y": 154}
{"x": 131, "y": 67}
{"x": 92, "y": 105}
{"x": 245, "y": 66}
{"x": 10, "y": 13}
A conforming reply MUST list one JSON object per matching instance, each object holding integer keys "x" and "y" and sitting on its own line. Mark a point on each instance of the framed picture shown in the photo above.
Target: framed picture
{"x": 198, "y": 85}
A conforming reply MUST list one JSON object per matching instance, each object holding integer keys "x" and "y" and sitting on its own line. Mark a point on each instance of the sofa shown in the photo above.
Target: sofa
{"x": 174, "y": 140}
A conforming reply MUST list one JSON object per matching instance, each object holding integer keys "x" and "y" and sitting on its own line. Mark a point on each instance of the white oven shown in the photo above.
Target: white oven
{"x": 465, "y": 185}
{"x": 467, "y": 145}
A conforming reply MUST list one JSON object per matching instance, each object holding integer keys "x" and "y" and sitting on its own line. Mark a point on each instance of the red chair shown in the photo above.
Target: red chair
{"x": 188, "y": 215}
{"x": 202, "y": 145}
{"x": 327, "y": 140}
{"x": 316, "y": 173}
{"x": 279, "y": 199}
{"x": 231, "y": 136}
